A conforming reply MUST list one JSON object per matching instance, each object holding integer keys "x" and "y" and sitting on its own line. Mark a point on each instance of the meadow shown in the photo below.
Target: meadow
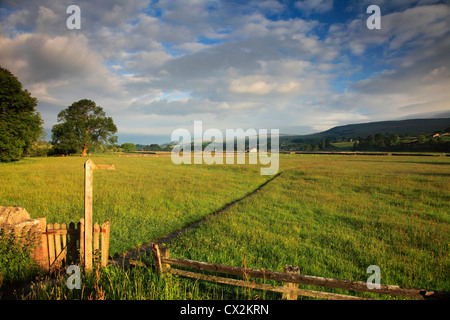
{"x": 144, "y": 198}
{"x": 330, "y": 215}
{"x": 334, "y": 216}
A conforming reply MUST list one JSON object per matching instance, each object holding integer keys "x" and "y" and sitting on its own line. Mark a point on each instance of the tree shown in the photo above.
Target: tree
{"x": 370, "y": 139}
{"x": 315, "y": 147}
{"x": 420, "y": 138}
{"x": 128, "y": 147}
{"x": 381, "y": 144}
{"x": 82, "y": 127}
{"x": 393, "y": 139}
{"x": 379, "y": 137}
{"x": 152, "y": 147}
{"x": 20, "y": 124}
{"x": 40, "y": 148}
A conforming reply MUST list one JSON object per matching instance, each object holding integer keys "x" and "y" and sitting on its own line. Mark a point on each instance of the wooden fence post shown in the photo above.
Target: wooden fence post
{"x": 89, "y": 167}
{"x": 157, "y": 258}
{"x": 57, "y": 239}
{"x": 105, "y": 228}
{"x": 88, "y": 177}
{"x": 164, "y": 251}
{"x": 64, "y": 239}
{"x": 42, "y": 251}
{"x": 51, "y": 244}
{"x": 73, "y": 238}
{"x": 53, "y": 247}
{"x": 290, "y": 296}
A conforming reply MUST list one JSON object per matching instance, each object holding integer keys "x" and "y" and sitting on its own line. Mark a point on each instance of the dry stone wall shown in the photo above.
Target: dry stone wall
{"x": 16, "y": 222}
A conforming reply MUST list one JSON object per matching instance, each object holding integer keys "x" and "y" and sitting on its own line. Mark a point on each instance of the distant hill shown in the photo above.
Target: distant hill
{"x": 410, "y": 127}
{"x": 343, "y": 137}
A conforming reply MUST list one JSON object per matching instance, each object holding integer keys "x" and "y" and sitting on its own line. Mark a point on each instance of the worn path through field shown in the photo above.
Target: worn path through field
{"x": 127, "y": 257}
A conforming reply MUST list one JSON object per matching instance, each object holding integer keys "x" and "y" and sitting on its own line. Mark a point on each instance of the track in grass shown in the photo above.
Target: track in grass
{"x": 173, "y": 235}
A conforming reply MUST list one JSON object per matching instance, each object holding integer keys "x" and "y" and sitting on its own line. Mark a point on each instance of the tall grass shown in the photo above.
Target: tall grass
{"x": 144, "y": 198}
{"x": 332, "y": 216}
{"x": 118, "y": 283}
{"x": 16, "y": 262}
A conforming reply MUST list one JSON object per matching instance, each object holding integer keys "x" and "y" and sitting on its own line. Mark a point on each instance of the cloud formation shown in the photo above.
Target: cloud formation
{"x": 298, "y": 66}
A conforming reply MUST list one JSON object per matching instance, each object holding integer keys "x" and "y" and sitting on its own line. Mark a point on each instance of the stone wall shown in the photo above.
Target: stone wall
{"x": 18, "y": 221}
{"x": 17, "y": 226}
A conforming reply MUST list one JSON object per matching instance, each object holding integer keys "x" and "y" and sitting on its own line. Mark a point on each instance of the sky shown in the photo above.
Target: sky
{"x": 298, "y": 66}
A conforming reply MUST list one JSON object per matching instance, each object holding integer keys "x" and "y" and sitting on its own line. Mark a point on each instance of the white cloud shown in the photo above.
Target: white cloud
{"x": 262, "y": 86}
{"x": 60, "y": 70}
{"x": 315, "y": 6}
{"x": 164, "y": 64}
{"x": 270, "y": 6}
{"x": 412, "y": 28}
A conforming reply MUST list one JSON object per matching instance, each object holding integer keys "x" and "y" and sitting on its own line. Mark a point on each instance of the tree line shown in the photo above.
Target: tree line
{"x": 131, "y": 147}
{"x": 438, "y": 141}
{"x": 82, "y": 127}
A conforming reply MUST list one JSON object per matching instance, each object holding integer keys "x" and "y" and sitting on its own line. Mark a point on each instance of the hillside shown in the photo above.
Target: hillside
{"x": 413, "y": 127}
{"x": 406, "y": 129}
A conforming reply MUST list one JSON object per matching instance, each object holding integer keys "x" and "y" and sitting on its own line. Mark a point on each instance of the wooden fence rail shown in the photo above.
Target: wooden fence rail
{"x": 64, "y": 246}
{"x": 291, "y": 279}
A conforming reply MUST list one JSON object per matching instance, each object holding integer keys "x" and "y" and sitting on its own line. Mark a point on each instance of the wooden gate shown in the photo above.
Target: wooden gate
{"x": 59, "y": 244}
{"x": 62, "y": 246}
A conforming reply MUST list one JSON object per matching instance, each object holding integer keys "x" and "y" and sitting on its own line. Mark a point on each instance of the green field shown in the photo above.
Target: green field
{"x": 332, "y": 216}
{"x": 144, "y": 198}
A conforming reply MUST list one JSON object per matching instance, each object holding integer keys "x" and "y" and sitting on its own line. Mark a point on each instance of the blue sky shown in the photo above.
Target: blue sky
{"x": 297, "y": 66}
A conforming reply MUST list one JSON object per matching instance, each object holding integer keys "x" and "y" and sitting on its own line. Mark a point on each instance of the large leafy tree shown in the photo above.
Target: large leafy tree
{"x": 20, "y": 124}
{"x": 82, "y": 127}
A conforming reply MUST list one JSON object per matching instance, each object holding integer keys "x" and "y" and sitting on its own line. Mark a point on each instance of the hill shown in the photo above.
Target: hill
{"x": 411, "y": 127}
{"x": 353, "y": 132}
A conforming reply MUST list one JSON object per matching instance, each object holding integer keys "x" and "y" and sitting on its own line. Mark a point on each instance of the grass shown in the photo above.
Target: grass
{"x": 332, "y": 216}
{"x": 143, "y": 198}
{"x": 343, "y": 145}
{"x": 114, "y": 283}
{"x": 16, "y": 264}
